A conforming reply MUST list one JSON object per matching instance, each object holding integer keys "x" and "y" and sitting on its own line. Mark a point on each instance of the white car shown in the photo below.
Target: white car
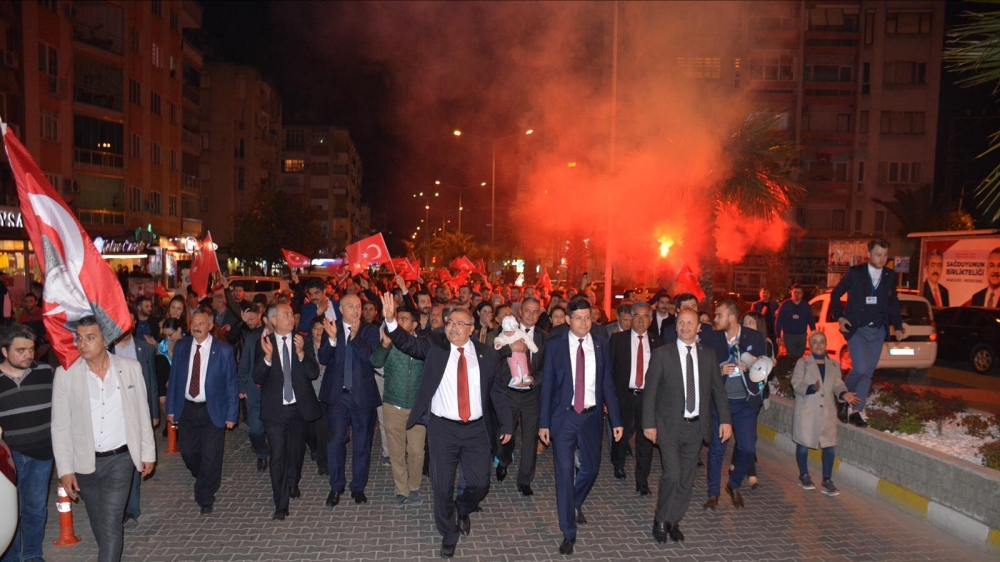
{"x": 254, "y": 285}
{"x": 916, "y": 353}
{"x": 8, "y": 497}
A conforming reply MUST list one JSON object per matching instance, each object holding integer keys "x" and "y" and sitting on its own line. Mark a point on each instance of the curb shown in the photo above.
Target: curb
{"x": 943, "y": 517}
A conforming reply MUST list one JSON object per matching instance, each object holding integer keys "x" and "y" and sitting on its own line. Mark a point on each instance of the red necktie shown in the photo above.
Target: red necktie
{"x": 464, "y": 410}
{"x": 195, "y": 387}
{"x": 581, "y": 381}
{"x": 638, "y": 365}
{"x": 937, "y": 297}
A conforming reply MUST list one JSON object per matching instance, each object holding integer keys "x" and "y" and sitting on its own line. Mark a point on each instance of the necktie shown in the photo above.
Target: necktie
{"x": 581, "y": 381}
{"x": 194, "y": 388}
{"x": 464, "y": 410}
{"x": 286, "y": 369}
{"x": 348, "y": 360}
{"x": 993, "y": 297}
{"x": 937, "y": 297}
{"x": 638, "y": 365}
{"x": 689, "y": 382}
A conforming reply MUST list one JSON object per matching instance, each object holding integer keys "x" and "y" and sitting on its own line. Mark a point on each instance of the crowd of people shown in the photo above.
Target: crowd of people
{"x": 459, "y": 380}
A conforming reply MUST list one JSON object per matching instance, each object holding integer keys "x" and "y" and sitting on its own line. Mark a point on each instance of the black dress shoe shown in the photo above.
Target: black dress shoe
{"x": 620, "y": 473}
{"x": 736, "y": 496}
{"x": 501, "y": 473}
{"x": 294, "y": 492}
{"x": 643, "y": 489}
{"x": 206, "y": 509}
{"x": 712, "y": 502}
{"x": 858, "y": 421}
{"x": 262, "y": 464}
{"x": 333, "y": 499}
{"x": 526, "y": 490}
{"x": 660, "y": 531}
{"x": 359, "y": 497}
{"x": 567, "y": 546}
{"x": 675, "y": 533}
{"x": 279, "y": 515}
{"x": 464, "y": 525}
{"x": 324, "y": 471}
{"x": 842, "y": 411}
{"x": 477, "y": 509}
{"x": 580, "y": 518}
{"x": 447, "y": 550}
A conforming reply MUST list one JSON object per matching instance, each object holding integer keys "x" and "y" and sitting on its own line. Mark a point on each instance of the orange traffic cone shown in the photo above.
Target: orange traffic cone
{"x": 67, "y": 536}
{"x": 172, "y": 438}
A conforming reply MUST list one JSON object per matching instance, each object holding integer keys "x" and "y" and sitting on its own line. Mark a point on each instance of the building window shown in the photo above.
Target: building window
{"x": 295, "y": 140}
{"x": 154, "y": 103}
{"x": 837, "y": 220}
{"x": 863, "y": 122}
{"x": 879, "y": 221}
{"x": 866, "y": 81}
{"x": 771, "y": 68}
{"x": 172, "y": 205}
{"x": 737, "y": 65}
{"x": 50, "y": 125}
{"x": 136, "y": 142}
{"x": 902, "y": 123}
{"x": 49, "y": 5}
{"x": 154, "y": 151}
{"x": 241, "y": 150}
{"x": 172, "y": 112}
{"x": 48, "y": 60}
{"x": 240, "y": 178}
{"x": 869, "y": 27}
{"x": 828, "y": 73}
{"x": 154, "y": 203}
{"x": 908, "y": 23}
{"x": 861, "y": 176}
{"x": 858, "y": 215}
{"x": 157, "y": 6}
{"x": 175, "y": 24}
{"x": 157, "y": 56}
{"x": 293, "y": 165}
{"x": 135, "y": 199}
{"x": 133, "y": 39}
{"x": 898, "y": 172}
{"x": 904, "y": 72}
{"x": 173, "y": 160}
{"x": 319, "y": 138}
{"x": 704, "y": 68}
{"x": 134, "y": 92}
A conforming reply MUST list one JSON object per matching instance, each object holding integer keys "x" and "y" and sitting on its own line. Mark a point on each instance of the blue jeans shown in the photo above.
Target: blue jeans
{"x": 866, "y": 348}
{"x": 802, "y": 458}
{"x": 744, "y": 417}
{"x": 33, "y": 477}
{"x": 255, "y": 427}
{"x": 132, "y": 509}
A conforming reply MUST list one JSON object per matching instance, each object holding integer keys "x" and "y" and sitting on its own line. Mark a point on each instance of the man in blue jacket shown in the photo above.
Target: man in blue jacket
{"x": 872, "y": 304}
{"x": 790, "y": 326}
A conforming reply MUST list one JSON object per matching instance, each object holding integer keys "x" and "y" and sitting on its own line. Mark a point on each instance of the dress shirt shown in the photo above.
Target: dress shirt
{"x": 875, "y": 274}
{"x": 206, "y": 348}
{"x": 589, "y": 367}
{"x": 347, "y": 334}
{"x": 291, "y": 351}
{"x": 106, "y": 412}
{"x": 127, "y": 349}
{"x": 682, "y": 349}
{"x": 444, "y": 404}
{"x": 645, "y": 359}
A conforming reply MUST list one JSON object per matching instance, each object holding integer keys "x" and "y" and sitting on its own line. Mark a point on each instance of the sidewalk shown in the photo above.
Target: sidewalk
{"x": 780, "y": 522}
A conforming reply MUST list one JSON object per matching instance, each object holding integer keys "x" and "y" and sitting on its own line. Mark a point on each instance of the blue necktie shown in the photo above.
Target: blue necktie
{"x": 348, "y": 361}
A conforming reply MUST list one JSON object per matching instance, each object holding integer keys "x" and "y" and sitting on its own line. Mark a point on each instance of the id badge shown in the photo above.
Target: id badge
{"x": 871, "y": 300}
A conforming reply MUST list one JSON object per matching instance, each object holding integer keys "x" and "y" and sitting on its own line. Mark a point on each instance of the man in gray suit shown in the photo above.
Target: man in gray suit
{"x": 96, "y": 452}
{"x": 682, "y": 381}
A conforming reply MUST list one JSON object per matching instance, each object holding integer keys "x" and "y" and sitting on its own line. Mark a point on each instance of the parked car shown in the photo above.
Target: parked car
{"x": 8, "y": 497}
{"x": 970, "y": 333}
{"x": 254, "y": 285}
{"x": 916, "y": 353}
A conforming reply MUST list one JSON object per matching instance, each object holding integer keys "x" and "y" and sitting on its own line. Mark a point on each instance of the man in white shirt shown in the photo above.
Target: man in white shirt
{"x": 990, "y": 296}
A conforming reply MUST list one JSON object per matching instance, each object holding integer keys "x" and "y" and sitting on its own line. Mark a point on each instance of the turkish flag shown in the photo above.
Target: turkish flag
{"x": 405, "y": 268}
{"x": 545, "y": 281}
{"x": 360, "y": 255}
{"x": 687, "y": 278}
{"x": 78, "y": 282}
{"x": 295, "y": 259}
{"x": 463, "y": 264}
{"x": 459, "y": 280}
{"x": 443, "y": 274}
{"x": 481, "y": 267}
{"x": 203, "y": 265}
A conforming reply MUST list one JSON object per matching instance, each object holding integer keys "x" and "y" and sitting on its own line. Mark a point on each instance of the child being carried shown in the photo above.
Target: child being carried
{"x": 518, "y": 361}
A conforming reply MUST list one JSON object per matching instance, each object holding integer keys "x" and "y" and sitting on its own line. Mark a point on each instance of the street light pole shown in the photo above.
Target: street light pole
{"x": 493, "y": 198}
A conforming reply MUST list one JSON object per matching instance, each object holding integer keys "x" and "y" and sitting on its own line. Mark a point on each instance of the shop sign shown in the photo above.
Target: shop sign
{"x": 107, "y": 247}
{"x": 10, "y": 218}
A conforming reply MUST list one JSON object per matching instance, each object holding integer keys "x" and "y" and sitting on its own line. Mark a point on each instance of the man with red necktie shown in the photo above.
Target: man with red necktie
{"x": 458, "y": 395}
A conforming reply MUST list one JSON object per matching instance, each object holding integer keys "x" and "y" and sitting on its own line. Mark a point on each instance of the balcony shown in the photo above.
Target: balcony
{"x": 98, "y": 161}
{"x": 190, "y": 182}
{"x": 98, "y": 98}
{"x": 191, "y": 140}
{"x": 101, "y": 217}
{"x": 97, "y": 35}
{"x": 191, "y": 93}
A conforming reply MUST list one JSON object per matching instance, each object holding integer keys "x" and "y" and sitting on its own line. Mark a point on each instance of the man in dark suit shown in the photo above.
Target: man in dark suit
{"x": 872, "y": 304}
{"x": 458, "y": 396}
{"x": 576, "y": 385}
{"x": 990, "y": 296}
{"x": 285, "y": 370}
{"x": 731, "y": 343}
{"x": 524, "y": 400}
{"x": 690, "y": 302}
{"x": 203, "y": 399}
{"x": 933, "y": 290}
{"x": 766, "y": 307}
{"x": 630, "y": 354}
{"x": 351, "y": 396}
{"x": 683, "y": 379}
{"x": 665, "y": 315}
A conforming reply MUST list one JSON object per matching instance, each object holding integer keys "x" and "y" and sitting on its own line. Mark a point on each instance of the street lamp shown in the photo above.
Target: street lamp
{"x": 493, "y": 181}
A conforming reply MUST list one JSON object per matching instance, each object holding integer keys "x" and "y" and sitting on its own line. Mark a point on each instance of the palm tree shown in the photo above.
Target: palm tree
{"x": 974, "y": 48}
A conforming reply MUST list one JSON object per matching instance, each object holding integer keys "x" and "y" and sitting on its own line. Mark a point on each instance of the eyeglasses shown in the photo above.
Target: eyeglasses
{"x": 451, "y": 323}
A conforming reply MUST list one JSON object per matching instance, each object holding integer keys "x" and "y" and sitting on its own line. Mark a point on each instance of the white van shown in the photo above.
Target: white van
{"x": 255, "y": 285}
{"x": 916, "y": 353}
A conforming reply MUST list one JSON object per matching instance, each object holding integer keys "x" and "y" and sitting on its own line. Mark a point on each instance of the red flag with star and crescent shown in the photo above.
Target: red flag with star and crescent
{"x": 78, "y": 282}
{"x": 687, "y": 278}
{"x": 545, "y": 281}
{"x": 295, "y": 259}
{"x": 205, "y": 262}
{"x": 463, "y": 263}
{"x": 364, "y": 253}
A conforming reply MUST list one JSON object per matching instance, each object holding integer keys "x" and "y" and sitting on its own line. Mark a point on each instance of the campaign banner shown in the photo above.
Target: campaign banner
{"x": 961, "y": 271}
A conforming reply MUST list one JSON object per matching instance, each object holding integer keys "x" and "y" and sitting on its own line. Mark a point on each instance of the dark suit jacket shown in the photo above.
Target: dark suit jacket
{"x": 145, "y": 354}
{"x": 622, "y": 359}
{"x": 557, "y": 382}
{"x": 435, "y": 350}
{"x": 670, "y": 335}
{"x": 222, "y": 393}
{"x": 752, "y": 342}
{"x": 272, "y": 381}
{"x": 929, "y": 295}
{"x": 979, "y": 299}
{"x": 658, "y": 328}
{"x": 663, "y": 401}
{"x": 858, "y": 286}
{"x": 365, "y": 343}
{"x": 537, "y": 360}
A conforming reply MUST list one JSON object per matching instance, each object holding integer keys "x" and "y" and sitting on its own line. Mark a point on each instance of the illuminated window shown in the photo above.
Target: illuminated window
{"x": 294, "y": 165}
{"x": 704, "y": 68}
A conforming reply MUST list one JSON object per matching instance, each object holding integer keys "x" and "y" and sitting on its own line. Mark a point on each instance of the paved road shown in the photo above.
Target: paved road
{"x": 781, "y": 522}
